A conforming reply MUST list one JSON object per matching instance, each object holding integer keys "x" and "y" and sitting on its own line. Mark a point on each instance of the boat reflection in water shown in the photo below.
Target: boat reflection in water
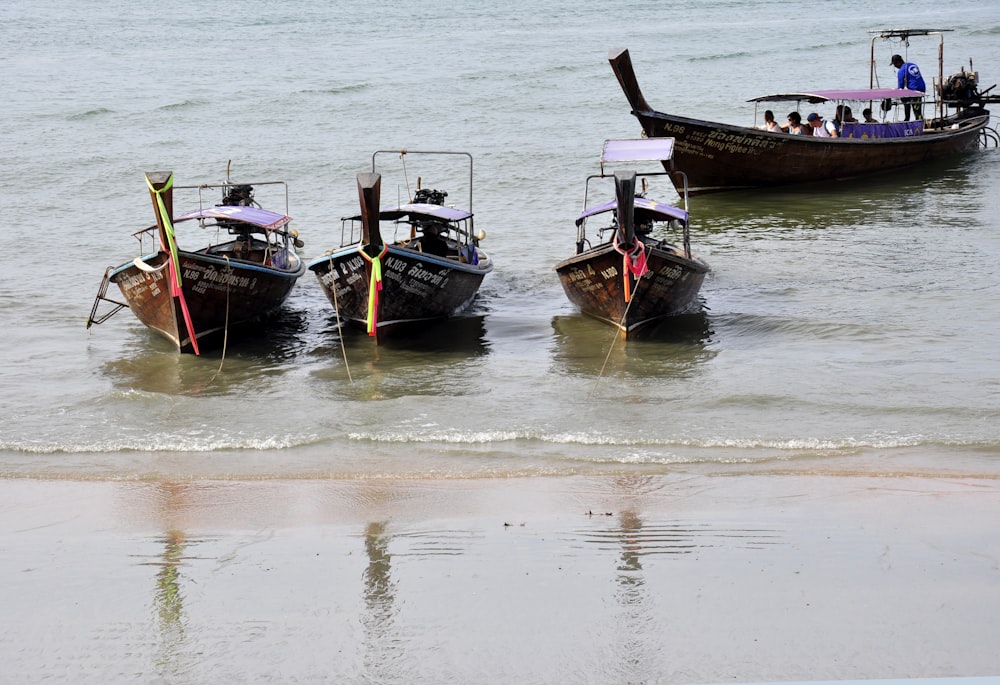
{"x": 583, "y": 346}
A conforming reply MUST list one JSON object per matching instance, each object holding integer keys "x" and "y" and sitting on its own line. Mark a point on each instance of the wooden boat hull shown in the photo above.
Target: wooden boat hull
{"x": 221, "y": 295}
{"x": 718, "y": 157}
{"x": 594, "y": 281}
{"x": 416, "y": 287}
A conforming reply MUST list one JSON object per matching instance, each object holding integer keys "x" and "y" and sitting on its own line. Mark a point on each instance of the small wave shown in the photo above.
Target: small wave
{"x": 90, "y": 114}
{"x": 165, "y": 443}
{"x": 609, "y": 440}
{"x": 340, "y": 90}
{"x": 185, "y": 104}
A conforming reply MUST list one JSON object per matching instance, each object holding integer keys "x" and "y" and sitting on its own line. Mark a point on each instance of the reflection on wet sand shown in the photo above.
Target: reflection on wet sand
{"x": 168, "y": 598}
{"x": 636, "y": 609}
{"x": 169, "y": 604}
{"x": 382, "y": 653}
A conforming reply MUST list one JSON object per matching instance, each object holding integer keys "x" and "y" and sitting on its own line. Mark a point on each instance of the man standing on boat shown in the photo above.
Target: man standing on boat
{"x": 908, "y": 76}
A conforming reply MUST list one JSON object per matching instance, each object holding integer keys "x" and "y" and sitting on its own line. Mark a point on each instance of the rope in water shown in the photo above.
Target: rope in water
{"x": 336, "y": 308}
{"x": 634, "y": 264}
{"x": 225, "y": 329}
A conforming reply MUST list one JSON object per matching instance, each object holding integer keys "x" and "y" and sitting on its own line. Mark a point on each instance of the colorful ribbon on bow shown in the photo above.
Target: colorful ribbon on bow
{"x": 374, "y": 287}
{"x": 172, "y": 259}
{"x": 634, "y": 263}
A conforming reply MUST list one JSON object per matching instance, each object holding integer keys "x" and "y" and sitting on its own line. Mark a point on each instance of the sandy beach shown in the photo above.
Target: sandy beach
{"x": 657, "y": 579}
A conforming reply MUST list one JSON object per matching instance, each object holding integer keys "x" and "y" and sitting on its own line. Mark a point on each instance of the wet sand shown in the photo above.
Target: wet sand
{"x": 658, "y": 579}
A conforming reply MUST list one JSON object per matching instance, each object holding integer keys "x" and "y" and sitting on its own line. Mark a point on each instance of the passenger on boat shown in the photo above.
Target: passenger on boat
{"x": 432, "y": 242}
{"x": 908, "y": 76}
{"x": 770, "y": 124}
{"x": 867, "y": 114}
{"x": 795, "y": 126}
{"x": 821, "y": 127}
{"x": 849, "y": 116}
{"x": 838, "y": 118}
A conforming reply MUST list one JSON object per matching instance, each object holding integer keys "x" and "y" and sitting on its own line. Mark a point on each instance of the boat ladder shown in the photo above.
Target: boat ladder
{"x": 102, "y": 297}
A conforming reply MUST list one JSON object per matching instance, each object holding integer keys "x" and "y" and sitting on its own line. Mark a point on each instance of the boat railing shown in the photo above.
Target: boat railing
{"x": 225, "y": 186}
{"x": 581, "y": 237}
{"x": 460, "y": 232}
{"x": 621, "y": 151}
{"x": 402, "y": 153}
{"x": 903, "y": 36}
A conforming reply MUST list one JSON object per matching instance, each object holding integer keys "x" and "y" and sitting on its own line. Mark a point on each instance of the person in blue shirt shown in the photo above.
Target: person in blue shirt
{"x": 908, "y": 76}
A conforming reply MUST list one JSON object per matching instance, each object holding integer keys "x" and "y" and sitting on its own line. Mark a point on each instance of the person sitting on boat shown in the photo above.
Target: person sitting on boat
{"x": 838, "y": 119}
{"x": 770, "y": 124}
{"x": 795, "y": 126}
{"x": 821, "y": 127}
{"x": 908, "y": 76}
{"x": 432, "y": 241}
{"x": 867, "y": 114}
{"x": 849, "y": 116}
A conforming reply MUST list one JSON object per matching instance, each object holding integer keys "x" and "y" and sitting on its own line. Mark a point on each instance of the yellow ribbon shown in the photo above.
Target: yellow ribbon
{"x": 374, "y": 287}
{"x": 168, "y": 226}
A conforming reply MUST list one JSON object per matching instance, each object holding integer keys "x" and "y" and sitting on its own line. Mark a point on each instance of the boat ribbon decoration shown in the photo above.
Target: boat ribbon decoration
{"x": 174, "y": 261}
{"x": 374, "y": 287}
{"x": 634, "y": 263}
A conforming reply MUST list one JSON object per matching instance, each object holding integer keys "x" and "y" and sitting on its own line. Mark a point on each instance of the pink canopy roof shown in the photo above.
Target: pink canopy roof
{"x": 817, "y": 96}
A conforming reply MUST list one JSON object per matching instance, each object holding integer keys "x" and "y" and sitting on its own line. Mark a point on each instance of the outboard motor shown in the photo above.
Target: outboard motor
{"x": 239, "y": 196}
{"x": 429, "y": 197}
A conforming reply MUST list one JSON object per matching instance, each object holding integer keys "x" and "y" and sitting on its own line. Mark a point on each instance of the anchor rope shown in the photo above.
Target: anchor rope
{"x": 336, "y": 308}
{"x": 225, "y": 329}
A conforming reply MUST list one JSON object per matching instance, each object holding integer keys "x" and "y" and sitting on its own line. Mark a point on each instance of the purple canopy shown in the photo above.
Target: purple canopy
{"x": 638, "y": 150}
{"x": 419, "y": 210}
{"x": 262, "y": 218}
{"x": 817, "y": 96}
{"x": 660, "y": 211}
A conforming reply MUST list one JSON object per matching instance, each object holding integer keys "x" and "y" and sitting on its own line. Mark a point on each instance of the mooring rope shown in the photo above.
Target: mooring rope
{"x": 225, "y": 329}
{"x": 336, "y": 308}
{"x": 622, "y": 330}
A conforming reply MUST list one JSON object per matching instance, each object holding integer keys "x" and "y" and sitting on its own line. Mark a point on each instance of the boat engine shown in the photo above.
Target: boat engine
{"x": 962, "y": 90}
{"x": 429, "y": 197}
{"x": 239, "y": 196}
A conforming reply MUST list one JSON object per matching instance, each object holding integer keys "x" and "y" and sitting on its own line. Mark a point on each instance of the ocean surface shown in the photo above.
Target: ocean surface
{"x": 846, "y": 329}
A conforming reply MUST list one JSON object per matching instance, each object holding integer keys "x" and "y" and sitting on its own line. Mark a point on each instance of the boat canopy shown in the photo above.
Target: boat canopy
{"x": 417, "y": 211}
{"x": 817, "y": 96}
{"x": 638, "y": 150}
{"x": 261, "y": 218}
{"x": 644, "y": 207}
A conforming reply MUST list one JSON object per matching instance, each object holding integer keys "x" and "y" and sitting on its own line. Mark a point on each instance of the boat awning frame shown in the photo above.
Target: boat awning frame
{"x": 254, "y": 216}
{"x": 859, "y": 95}
{"x": 419, "y": 211}
{"x": 660, "y": 211}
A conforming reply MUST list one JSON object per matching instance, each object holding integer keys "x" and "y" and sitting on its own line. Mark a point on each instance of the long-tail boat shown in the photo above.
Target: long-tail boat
{"x": 431, "y": 270}
{"x": 632, "y": 276}
{"x": 719, "y": 157}
{"x": 196, "y": 297}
